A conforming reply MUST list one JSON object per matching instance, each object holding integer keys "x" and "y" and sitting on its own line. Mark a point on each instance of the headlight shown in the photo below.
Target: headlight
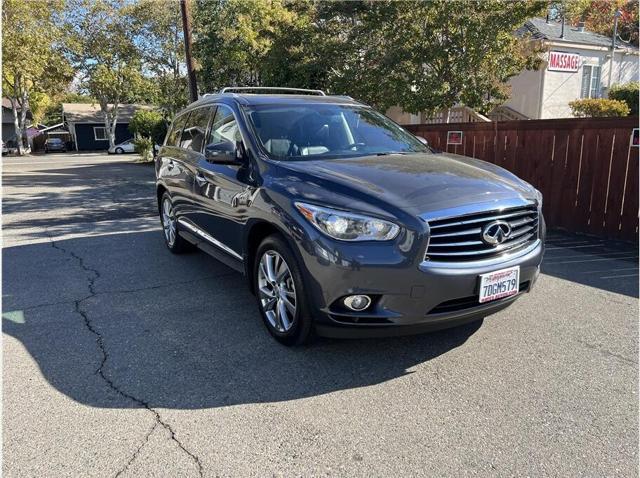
{"x": 347, "y": 226}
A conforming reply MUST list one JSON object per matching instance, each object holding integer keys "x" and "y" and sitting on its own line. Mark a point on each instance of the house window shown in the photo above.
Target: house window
{"x": 590, "y": 81}
{"x": 100, "y": 133}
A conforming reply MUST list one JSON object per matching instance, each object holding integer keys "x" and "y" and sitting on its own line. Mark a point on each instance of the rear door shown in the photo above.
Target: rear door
{"x": 175, "y": 169}
{"x": 220, "y": 190}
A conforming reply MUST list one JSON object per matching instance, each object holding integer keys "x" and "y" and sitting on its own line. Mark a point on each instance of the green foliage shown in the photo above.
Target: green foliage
{"x": 598, "y": 16}
{"x": 159, "y": 131}
{"x": 158, "y": 37}
{"x": 598, "y": 107}
{"x": 144, "y": 147}
{"x": 100, "y": 40}
{"x": 421, "y": 56}
{"x": 33, "y": 65}
{"x": 629, "y": 93}
{"x": 144, "y": 123}
{"x": 52, "y": 109}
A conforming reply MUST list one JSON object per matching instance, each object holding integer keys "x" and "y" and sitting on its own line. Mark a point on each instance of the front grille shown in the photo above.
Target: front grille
{"x": 459, "y": 239}
{"x": 464, "y": 303}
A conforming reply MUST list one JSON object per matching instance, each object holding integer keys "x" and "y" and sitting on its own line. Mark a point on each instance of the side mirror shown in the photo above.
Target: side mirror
{"x": 222, "y": 153}
{"x": 423, "y": 140}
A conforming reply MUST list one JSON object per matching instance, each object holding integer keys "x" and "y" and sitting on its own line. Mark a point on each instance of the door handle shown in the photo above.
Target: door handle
{"x": 201, "y": 180}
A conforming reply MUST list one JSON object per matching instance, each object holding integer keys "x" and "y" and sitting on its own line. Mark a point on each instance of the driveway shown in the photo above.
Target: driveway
{"x": 121, "y": 359}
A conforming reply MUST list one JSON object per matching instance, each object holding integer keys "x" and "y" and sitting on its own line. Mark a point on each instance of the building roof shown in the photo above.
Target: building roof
{"x": 541, "y": 30}
{"x": 90, "y": 113}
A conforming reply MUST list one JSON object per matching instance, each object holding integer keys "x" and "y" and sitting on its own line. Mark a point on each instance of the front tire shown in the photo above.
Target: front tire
{"x": 279, "y": 291}
{"x": 175, "y": 243}
{"x": 119, "y": 150}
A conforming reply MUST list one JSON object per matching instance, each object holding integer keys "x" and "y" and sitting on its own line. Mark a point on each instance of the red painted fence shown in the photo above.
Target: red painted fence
{"x": 586, "y": 169}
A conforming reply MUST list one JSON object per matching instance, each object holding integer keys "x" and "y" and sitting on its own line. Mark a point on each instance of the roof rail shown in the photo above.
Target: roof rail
{"x": 232, "y": 89}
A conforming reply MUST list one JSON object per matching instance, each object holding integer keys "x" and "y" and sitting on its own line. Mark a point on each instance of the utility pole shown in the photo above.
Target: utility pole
{"x": 616, "y": 15}
{"x": 186, "y": 28}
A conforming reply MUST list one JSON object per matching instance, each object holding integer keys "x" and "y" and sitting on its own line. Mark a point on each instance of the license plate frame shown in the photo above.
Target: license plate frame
{"x": 499, "y": 284}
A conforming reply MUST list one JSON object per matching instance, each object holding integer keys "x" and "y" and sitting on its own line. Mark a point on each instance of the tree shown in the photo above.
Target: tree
{"x": 235, "y": 41}
{"x": 421, "y": 56}
{"x": 149, "y": 128}
{"x": 158, "y": 36}
{"x": 598, "y": 16}
{"x": 428, "y": 56}
{"x": 50, "y": 111}
{"x": 101, "y": 42}
{"x": 33, "y": 67}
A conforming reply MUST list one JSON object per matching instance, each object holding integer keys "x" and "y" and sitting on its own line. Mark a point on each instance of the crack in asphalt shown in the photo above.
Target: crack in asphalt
{"x": 138, "y": 450}
{"x": 94, "y": 274}
{"x": 129, "y": 291}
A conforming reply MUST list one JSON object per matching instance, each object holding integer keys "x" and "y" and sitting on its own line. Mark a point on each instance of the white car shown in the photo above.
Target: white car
{"x": 124, "y": 147}
{"x": 5, "y": 150}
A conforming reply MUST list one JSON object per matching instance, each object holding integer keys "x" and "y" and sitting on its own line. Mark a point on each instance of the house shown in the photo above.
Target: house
{"x": 85, "y": 124}
{"x": 577, "y": 64}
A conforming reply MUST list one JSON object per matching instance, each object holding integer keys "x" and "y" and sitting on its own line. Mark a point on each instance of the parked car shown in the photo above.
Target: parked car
{"x": 124, "y": 147}
{"x": 344, "y": 223}
{"x": 54, "y": 144}
{"x": 5, "y": 150}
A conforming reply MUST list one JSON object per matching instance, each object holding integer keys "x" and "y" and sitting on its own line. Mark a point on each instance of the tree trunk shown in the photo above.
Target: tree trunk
{"x": 114, "y": 122}
{"x": 110, "y": 121}
{"x": 19, "y": 99}
{"x": 16, "y": 126}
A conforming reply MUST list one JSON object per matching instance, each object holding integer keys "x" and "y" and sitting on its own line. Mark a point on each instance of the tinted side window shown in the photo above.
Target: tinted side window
{"x": 176, "y": 130}
{"x": 224, "y": 128}
{"x": 195, "y": 129}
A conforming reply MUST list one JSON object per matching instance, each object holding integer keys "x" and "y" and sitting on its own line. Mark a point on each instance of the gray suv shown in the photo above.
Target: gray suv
{"x": 343, "y": 223}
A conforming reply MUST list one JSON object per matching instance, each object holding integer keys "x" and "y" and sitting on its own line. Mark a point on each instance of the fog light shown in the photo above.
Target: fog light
{"x": 357, "y": 302}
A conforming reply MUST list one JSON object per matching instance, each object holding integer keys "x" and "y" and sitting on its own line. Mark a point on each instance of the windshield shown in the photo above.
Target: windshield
{"x": 325, "y": 131}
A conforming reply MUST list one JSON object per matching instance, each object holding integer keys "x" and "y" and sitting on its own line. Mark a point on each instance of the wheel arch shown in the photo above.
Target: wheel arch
{"x": 256, "y": 233}
{"x": 160, "y": 190}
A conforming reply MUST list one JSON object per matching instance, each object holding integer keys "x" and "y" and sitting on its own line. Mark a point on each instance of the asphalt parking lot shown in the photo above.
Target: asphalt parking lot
{"x": 121, "y": 359}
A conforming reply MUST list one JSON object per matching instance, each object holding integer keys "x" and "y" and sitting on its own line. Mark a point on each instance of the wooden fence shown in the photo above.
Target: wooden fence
{"x": 586, "y": 169}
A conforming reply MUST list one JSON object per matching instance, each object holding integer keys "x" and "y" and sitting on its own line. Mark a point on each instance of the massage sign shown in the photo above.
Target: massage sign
{"x": 562, "y": 61}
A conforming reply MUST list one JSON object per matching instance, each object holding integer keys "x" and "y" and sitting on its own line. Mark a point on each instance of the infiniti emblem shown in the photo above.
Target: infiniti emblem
{"x": 496, "y": 232}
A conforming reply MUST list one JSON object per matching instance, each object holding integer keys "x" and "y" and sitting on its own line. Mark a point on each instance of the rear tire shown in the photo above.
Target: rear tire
{"x": 280, "y": 294}
{"x": 119, "y": 150}
{"x": 175, "y": 243}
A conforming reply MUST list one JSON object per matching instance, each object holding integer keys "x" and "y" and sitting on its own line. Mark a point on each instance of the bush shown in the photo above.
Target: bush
{"x": 159, "y": 131}
{"x": 628, "y": 93}
{"x": 144, "y": 147}
{"x": 145, "y": 122}
{"x": 598, "y": 107}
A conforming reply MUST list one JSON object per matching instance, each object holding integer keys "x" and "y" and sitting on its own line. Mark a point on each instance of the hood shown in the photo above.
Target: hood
{"x": 418, "y": 183}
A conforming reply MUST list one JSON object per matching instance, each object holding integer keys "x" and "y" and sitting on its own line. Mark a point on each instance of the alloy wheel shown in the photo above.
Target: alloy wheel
{"x": 168, "y": 222}
{"x": 277, "y": 291}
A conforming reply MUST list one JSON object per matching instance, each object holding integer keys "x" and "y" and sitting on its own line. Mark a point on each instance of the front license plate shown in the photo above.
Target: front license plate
{"x": 499, "y": 284}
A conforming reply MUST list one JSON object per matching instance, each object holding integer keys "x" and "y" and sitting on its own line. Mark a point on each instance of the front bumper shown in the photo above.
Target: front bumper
{"x": 409, "y": 298}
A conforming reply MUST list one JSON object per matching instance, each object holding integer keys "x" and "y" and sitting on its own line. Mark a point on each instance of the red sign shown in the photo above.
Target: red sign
{"x": 561, "y": 61}
{"x": 454, "y": 137}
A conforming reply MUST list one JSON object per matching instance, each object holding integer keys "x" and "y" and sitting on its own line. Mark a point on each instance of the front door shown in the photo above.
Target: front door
{"x": 221, "y": 190}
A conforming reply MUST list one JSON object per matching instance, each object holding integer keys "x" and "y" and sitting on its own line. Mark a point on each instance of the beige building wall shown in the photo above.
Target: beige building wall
{"x": 526, "y": 90}
{"x": 546, "y": 94}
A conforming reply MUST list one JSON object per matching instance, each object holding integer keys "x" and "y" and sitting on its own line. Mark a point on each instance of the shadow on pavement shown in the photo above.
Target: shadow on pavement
{"x": 180, "y": 332}
{"x": 92, "y": 193}
{"x": 601, "y": 263}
